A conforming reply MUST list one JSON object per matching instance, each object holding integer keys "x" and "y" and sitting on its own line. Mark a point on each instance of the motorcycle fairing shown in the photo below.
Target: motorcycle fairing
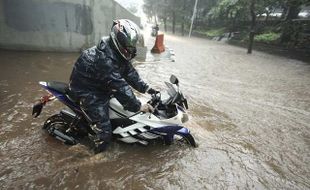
{"x": 61, "y": 96}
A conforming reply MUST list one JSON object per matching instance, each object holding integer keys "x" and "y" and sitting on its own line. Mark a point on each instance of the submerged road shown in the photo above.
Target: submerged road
{"x": 249, "y": 113}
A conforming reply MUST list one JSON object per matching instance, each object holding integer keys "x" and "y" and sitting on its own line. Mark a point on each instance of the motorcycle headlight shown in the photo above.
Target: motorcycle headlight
{"x": 184, "y": 118}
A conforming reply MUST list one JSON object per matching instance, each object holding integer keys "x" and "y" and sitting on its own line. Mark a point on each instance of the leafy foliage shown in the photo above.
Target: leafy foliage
{"x": 234, "y": 15}
{"x": 268, "y": 37}
{"x": 213, "y": 32}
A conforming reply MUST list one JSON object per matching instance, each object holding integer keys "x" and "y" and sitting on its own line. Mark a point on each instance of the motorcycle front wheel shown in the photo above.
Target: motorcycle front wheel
{"x": 186, "y": 139}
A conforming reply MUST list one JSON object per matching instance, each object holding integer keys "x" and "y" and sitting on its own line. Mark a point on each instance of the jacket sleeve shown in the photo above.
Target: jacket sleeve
{"x": 121, "y": 90}
{"x": 134, "y": 80}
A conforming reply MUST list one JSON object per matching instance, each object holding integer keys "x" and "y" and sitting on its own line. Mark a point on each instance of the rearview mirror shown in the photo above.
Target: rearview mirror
{"x": 174, "y": 80}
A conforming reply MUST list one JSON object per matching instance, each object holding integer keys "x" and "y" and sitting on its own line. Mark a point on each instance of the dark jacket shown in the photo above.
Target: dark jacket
{"x": 101, "y": 70}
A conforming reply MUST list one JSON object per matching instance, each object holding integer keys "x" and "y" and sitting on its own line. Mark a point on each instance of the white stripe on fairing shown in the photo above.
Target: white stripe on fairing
{"x": 120, "y": 130}
{"x": 142, "y": 129}
{"x": 149, "y": 135}
{"x": 129, "y": 139}
{"x": 143, "y": 142}
{"x": 132, "y": 132}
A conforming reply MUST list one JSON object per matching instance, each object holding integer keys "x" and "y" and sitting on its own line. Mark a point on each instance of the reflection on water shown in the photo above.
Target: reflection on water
{"x": 250, "y": 115}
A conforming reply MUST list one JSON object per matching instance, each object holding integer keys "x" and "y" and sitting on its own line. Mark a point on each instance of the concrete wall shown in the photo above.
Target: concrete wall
{"x": 57, "y": 25}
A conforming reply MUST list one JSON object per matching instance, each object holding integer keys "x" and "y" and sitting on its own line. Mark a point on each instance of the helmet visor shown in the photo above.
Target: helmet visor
{"x": 127, "y": 46}
{"x": 129, "y": 52}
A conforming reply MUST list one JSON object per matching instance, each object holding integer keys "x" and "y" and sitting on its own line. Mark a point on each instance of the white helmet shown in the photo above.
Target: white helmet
{"x": 125, "y": 35}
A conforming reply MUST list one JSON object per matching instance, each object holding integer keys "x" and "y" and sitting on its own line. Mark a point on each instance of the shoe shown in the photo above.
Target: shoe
{"x": 100, "y": 146}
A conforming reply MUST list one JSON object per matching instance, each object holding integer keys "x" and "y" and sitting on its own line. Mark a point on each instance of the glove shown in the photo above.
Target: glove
{"x": 147, "y": 108}
{"x": 152, "y": 91}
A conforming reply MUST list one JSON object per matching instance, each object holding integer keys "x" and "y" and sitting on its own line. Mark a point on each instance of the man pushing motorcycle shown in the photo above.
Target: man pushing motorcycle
{"x": 106, "y": 70}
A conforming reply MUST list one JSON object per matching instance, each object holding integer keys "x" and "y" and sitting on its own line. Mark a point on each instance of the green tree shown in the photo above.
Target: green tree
{"x": 290, "y": 29}
{"x": 150, "y": 9}
{"x": 172, "y": 10}
{"x": 253, "y": 24}
{"x": 230, "y": 14}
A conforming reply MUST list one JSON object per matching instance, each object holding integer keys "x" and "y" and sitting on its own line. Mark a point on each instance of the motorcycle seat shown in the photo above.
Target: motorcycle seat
{"x": 63, "y": 88}
{"x": 58, "y": 86}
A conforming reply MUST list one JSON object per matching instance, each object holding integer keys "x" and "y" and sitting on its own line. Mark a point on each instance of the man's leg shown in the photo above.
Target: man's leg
{"x": 97, "y": 109}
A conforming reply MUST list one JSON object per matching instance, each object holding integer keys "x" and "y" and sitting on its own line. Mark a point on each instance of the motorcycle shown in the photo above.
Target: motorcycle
{"x": 154, "y": 31}
{"x": 165, "y": 123}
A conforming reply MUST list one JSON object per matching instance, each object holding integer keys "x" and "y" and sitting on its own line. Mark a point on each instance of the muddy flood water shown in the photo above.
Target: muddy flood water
{"x": 250, "y": 115}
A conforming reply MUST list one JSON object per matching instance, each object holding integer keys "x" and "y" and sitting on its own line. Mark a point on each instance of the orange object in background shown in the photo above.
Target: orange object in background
{"x": 159, "y": 44}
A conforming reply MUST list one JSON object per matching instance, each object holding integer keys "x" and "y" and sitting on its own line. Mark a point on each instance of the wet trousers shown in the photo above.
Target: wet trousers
{"x": 96, "y": 108}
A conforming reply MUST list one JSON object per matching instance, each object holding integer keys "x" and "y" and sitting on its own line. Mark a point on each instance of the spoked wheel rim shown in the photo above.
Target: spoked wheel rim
{"x": 56, "y": 124}
{"x": 56, "y": 121}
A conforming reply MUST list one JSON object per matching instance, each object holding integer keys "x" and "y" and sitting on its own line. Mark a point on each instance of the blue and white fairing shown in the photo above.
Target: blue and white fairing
{"x": 60, "y": 96}
{"x": 136, "y": 127}
{"x": 149, "y": 126}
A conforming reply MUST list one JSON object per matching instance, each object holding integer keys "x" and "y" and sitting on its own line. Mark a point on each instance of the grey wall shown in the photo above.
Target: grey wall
{"x": 57, "y": 25}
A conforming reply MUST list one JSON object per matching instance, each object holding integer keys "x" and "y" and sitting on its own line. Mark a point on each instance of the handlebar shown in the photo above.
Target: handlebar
{"x": 155, "y": 99}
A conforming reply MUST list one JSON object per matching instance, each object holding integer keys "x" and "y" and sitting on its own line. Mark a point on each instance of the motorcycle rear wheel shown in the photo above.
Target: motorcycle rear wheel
{"x": 57, "y": 127}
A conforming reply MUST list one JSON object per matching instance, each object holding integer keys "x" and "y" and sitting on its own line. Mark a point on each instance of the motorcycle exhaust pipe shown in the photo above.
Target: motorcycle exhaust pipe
{"x": 64, "y": 138}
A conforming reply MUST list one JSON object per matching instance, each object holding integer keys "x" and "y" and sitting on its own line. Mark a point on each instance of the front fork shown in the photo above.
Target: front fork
{"x": 184, "y": 132}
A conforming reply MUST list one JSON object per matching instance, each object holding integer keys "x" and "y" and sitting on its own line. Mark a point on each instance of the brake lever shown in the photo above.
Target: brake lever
{"x": 155, "y": 109}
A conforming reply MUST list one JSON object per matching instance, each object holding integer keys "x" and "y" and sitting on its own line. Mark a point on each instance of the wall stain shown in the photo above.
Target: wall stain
{"x": 37, "y": 16}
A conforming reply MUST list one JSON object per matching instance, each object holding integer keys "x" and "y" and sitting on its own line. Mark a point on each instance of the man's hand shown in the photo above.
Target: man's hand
{"x": 152, "y": 91}
{"x": 147, "y": 108}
